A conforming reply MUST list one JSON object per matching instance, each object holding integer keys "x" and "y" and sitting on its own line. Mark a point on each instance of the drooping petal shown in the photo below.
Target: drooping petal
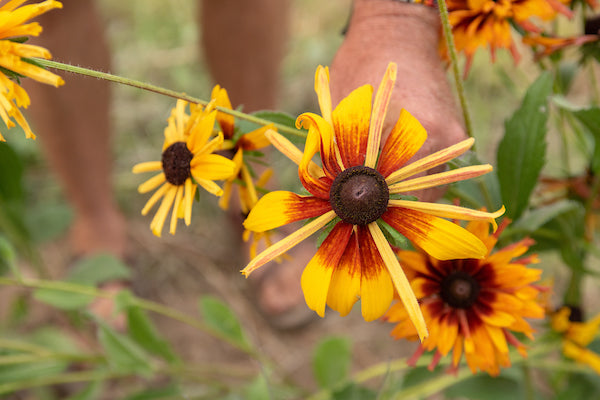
{"x": 280, "y": 208}
{"x": 155, "y": 197}
{"x": 399, "y": 279}
{"x": 226, "y": 121}
{"x": 321, "y": 138}
{"x": 405, "y": 139}
{"x": 292, "y": 152}
{"x": 323, "y": 92}
{"x": 190, "y": 190}
{"x": 442, "y": 178}
{"x": 288, "y": 242}
{"x": 430, "y": 161}
{"x": 209, "y": 186}
{"x": 176, "y": 204}
{"x": 161, "y": 214}
{"x": 382, "y": 99}
{"x": 317, "y": 275}
{"x": 438, "y": 237}
{"x": 351, "y": 125}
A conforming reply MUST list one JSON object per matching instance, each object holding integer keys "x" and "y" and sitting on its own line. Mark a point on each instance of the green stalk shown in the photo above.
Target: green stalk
{"x": 165, "y": 92}
{"x": 449, "y": 38}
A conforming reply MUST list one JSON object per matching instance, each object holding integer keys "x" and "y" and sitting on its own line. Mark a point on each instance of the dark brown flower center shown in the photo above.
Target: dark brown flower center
{"x": 576, "y": 314}
{"x": 359, "y": 195}
{"x": 459, "y": 289}
{"x": 176, "y": 163}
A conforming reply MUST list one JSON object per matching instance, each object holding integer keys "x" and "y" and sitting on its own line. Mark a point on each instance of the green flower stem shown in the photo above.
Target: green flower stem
{"x": 68, "y": 377}
{"x": 572, "y": 295}
{"x": 449, "y": 38}
{"x": 165, "y": 92}
{"x": 14, "y": 359}
{"x": 141, "y": 303}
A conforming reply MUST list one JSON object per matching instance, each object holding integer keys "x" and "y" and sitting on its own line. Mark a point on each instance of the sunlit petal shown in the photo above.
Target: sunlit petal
{"x": 382, "y": 99}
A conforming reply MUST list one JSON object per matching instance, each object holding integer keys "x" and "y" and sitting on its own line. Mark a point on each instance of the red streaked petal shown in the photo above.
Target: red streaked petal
{"x": 376, "y": 288}
{"x": 438, "y": 237}
{"x": 380, "y": 104}
{"x": 288, "y": 242}
{"x": 430, "y": 161}
{"x": 320, "y": 138}
{"x": 405, "y": 139}
{"x": 279, "y": 208}
{"x": 317, "y": 275}
{"x": 344, "y": 289}
{"x": 351, "y": 125}
{"x": 288, "y": 149}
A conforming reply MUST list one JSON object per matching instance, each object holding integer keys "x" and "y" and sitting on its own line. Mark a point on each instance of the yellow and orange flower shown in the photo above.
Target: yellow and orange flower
{"x": 186, "y": 155}
{"x": 471, "y": 306}
{"x": 552, "y": 44}
{"x": 352, "y": 190}
{"x": 13, "y": 59}
{"x": 577, "y": 335}
{"x": 482, "y": 23}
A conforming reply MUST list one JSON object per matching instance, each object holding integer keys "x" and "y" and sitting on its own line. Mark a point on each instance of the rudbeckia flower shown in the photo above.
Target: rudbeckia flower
{"x": 187, "y": 160}
{"x": 577, "y": 335}
{"x": 13, "y": 59}
{"x": 481, "y": 23}
{"x": 355, "y": 191}
{"x": 471, "y": 306}
{"x": 250, "y": 141}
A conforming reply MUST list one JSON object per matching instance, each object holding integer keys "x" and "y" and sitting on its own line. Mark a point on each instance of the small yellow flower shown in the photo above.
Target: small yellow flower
{"x": 471, "y": 306}
{"x": 352, "y": 190}
{"x": 187, "y": 154}
{"x": 250, "y": 141}
{"x": 577, "y": 335}
{"x": 13, "y": 59}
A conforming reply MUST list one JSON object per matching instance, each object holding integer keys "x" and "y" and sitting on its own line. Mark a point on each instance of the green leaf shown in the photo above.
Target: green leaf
{"x": 171, "y": 391}
{"x": 123, "y": 355}
{"x": 353, "y": 391}
{"x": 97, "y": 269}
{"x": 590, "y": 118}
{"x": 91, "y": 392}
{"x": 331, "y": 361}
{"x": 219, "y": 317}
{"x": 535, "y": 219}
{"x": 11, "y": 173}
{"x": 521, "y": 152}
{"x": 277, "y": 117}
{"x": 142, "y": 331}
{"x": 8, "y": 258}
{"x": 63, "y": 300}
{"x": 258, "y": 389}
{"x": 395, "y": 238}
{"x": 485, "y": 387}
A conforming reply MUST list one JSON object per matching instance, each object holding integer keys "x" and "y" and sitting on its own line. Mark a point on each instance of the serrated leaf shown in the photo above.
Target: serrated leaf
{"x": 590, "y": 118}
{"x": 331, "y": 361}
{"x": 522, "y": 150}
{"x": 142, "y": 331}
{"x": 122, "y": 354}
{"x": 219, "y": 317}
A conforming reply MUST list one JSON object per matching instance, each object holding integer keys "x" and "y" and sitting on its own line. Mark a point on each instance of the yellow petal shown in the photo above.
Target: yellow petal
{"x": 344, "y": 289}
{"x": 147, "y": 167}
{"x": 430, "y": 161}
{"x": 382, "y": 99}
{"x": 442, "y": 178}
{"x": 152, "y": 183}
{"x": 405, "y": 139}
{"x": 438, "y": 237}
{"x": 161, "y": 214}
{"x": 155, "y": 197}
{"x": 323, "y": 93}
{"x": 176, "y": 204}
{"x": 209, "y": 186}
{"x": 399, "y": 279}
{"x": 449, "y": 211}
{"x": 292, "y": 152}
{"x": 212, "y": 166}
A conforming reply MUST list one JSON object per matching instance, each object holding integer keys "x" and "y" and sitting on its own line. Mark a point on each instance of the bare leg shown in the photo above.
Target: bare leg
{"x": 244, "y": 42}
{"x": 73, "y": 126}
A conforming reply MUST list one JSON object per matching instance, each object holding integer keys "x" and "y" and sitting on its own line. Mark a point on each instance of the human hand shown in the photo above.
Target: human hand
{"x": 383, "y": 31}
